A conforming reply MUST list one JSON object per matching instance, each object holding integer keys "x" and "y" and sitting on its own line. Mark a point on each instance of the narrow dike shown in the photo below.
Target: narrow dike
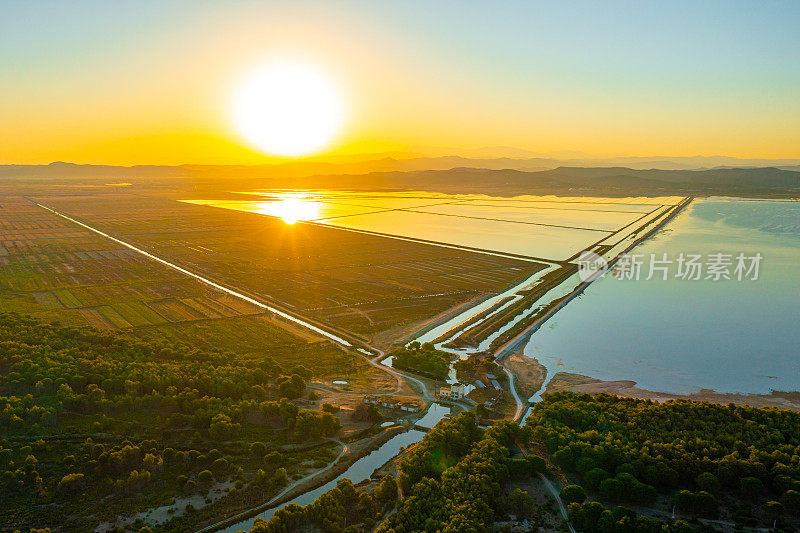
{"x": 344, "y": 462}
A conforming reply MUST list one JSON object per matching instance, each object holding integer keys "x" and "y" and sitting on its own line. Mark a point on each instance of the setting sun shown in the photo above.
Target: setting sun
{"x": 291, "y": 209}
{"x": 288, "y": 109}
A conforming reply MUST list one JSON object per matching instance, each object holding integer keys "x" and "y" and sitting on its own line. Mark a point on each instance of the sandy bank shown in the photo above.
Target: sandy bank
{"x": 529, "y": 374}
{"x": 566, "y": 381}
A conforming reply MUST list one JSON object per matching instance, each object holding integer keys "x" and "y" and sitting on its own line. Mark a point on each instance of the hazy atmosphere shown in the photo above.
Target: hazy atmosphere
{"x": 398, "y": 267}
{"x": 151, "y": 82}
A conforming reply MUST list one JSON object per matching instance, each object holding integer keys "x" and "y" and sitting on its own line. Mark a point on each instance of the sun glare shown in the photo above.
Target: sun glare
{"x": 291, "y": 209}
{"x": 288, "y": 109}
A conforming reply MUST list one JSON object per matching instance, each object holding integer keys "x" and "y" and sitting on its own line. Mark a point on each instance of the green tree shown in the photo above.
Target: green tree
{"x": 280, "y": 478}
{"x": 258, "y": 449}
{"x": 751, "y": 487}
{"x": 70, "y": 483}
{"x": 538, "y": 464}
{"x": 205, "y": 478}
{"x": 708, "y": 482}
{"x": 521, "y": 503}
{"x": 330, "y": 408}
{"x": 573, "y": 494}
{"x": 387, "y": 490}
{"x": 791, "y": 500}
{"x": 773, "y": 509}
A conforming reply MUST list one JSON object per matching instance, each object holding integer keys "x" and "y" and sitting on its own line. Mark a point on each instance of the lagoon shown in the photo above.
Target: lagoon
{"x": 679, "y": 335}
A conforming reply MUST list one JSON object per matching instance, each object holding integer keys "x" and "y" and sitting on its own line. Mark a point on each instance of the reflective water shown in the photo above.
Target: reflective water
{"x": 680, "y": 335}
{"x": 361, "y": 469}
{"x": 546, "y": 227}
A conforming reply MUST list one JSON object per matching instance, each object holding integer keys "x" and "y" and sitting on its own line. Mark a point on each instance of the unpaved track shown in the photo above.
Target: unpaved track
{"x": 300, "y": 321}
{"x": 513, "y": 389}
{"x": 557, "y": 497}
{"x": 244, "y": 515}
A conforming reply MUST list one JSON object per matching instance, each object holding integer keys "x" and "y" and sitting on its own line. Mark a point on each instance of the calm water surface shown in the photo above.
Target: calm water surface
{"x": 363, "y": 468}
{"x": 681, "y": 336}
{"x": 547, "y": 227}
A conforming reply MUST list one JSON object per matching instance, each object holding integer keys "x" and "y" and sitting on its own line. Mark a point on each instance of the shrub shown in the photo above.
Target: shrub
{"x": 281, "y": 478}
{"x": 258, "y": 449}
{"x": 699, "y": 503}
{"x": 220, "y": 466}
{"x": 70, "y": 482}
{"x": 330, "y": 408}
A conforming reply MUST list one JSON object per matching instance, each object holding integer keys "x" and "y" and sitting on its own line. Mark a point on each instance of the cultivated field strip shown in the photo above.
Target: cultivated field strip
{"x": 359, "y": 283}
{"x": 208, "y": 282}
{"x": 56, "y": 270}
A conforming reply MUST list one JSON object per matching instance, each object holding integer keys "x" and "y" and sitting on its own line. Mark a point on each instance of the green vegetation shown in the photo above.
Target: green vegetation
{"x": 332, "y": 511}
{"x": 451, "y": 481}
{"x": 475, "y": 365}
{"x": 628, "y": 462}
{"x": 88, "y": 413}
{"x": 712, "y": 461}
{"x": 595, "y": 518}
{"x": 422, "y": 359}
{"x": 54, "y": 270}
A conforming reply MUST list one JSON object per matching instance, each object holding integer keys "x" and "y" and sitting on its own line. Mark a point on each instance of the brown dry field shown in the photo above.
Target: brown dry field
{"x": 372, "y": 288}
{"x": 55, "y": 270}
{"x": 360, "y": 284}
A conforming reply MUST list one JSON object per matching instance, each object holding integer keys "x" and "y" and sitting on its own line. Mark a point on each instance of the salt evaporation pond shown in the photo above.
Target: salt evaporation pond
{"x": 679, "y": 335}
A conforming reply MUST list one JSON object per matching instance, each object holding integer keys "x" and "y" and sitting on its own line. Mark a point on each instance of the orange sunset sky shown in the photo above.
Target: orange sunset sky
{"x": 153, "y": 82}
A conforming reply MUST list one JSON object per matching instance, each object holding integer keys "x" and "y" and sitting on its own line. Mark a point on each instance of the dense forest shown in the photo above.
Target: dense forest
{"x": 627, "y": 463}
{"x": 97, "y": 424}
{"x": 736, "y": 464}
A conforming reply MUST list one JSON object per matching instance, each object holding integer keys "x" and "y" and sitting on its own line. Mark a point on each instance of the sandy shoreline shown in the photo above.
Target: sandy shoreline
{"x": 567, "y": 381}
{"x": 529, "y": 373}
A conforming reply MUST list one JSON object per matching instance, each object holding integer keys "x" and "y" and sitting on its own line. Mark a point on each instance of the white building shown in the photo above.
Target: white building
{"x": 456, "y": 391}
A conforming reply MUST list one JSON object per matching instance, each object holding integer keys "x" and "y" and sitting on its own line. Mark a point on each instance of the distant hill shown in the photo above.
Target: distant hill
{"x": 448, "y": 175}
{"x": 577, "y": 181}
{"x": 70, "y": 170}
{"x": 513, "y": 159}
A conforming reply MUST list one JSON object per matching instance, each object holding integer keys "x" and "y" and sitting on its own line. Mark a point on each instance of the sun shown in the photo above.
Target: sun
{"x": 291, "y": 209}
{"x": 288, "y": 108}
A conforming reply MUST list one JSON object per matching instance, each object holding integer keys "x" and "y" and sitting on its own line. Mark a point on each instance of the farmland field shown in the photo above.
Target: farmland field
{"x": 58, "y": 271}
{"x": 364, "y": 285}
